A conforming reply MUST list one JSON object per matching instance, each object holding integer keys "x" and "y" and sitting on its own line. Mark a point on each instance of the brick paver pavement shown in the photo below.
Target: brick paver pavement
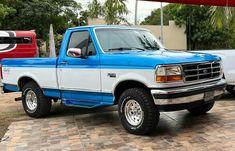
{"x": 42, "y": 134}
{"x": 100, "y": 129}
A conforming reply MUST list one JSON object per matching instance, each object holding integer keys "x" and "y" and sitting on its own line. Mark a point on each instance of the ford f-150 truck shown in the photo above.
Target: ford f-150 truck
{"x": 108, "y": 65}
{"x": 228, "y": 63}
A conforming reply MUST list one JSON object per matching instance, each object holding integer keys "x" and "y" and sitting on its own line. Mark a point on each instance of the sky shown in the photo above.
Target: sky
{"x": 144, "y": 8}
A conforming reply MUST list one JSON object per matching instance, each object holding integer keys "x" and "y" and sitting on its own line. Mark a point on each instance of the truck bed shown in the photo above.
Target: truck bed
{"x": 30, "y": 62}
{"x": 42, "y": 70}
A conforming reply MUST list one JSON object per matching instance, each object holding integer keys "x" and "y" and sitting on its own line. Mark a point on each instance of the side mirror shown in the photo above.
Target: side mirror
{"x": 74, "y": 52}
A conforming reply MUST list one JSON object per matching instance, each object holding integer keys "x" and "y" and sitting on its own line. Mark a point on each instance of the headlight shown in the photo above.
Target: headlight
{"x": 169, "y": 74}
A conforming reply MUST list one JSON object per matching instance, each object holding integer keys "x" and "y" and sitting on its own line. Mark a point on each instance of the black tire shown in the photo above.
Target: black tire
{"x": 230, "y": 89}
{"x": 202, "y": 109}
{"x": 43, "y": 106}
{"x": 150, "y": 117}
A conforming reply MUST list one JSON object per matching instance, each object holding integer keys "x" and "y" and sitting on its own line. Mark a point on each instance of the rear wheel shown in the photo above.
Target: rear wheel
{"x": 137, "y": 111}
{"x": 34, "y": 102}
{"x": 202, "y": 109}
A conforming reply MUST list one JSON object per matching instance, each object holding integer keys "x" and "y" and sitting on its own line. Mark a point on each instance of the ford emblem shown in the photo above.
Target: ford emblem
{"x": 205, "y": 71}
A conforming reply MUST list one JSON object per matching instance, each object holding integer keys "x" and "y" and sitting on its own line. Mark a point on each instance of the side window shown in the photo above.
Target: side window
{"x": 82, "y": 40}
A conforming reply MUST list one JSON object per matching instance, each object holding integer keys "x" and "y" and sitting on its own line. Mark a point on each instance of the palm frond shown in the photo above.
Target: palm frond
{"x": 222, "y": 16}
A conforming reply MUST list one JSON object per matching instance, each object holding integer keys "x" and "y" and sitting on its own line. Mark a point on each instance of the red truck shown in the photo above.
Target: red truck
{"x": 17, "y": 44}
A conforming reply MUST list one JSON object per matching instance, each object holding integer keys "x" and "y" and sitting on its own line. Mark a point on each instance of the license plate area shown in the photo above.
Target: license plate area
{"x": 208, "y": 96}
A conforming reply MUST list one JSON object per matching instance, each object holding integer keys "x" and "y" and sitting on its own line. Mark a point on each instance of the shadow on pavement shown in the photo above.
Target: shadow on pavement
{"x": 59, "y": 110}
{"x": 227, "y": 97}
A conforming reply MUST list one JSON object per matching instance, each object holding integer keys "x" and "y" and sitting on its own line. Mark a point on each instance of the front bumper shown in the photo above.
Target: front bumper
{"x": 188, "y": 94}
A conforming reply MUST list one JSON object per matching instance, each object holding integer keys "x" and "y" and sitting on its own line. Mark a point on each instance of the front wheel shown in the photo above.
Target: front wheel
{"x": 137, "y": 111}
{"x": 202, "y": 109}
{"x": 34, "y": 102}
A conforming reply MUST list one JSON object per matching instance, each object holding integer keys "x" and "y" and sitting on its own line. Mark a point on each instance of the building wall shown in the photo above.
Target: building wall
{"x": 96, "y": 21}
{"x": 174, "y": 37}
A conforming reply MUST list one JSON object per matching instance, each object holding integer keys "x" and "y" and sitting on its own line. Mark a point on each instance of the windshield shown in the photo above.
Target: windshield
{"x": 114, "y": 39}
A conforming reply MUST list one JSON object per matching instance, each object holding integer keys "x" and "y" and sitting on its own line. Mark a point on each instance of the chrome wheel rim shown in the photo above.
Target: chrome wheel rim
{"x": 133, "y": 112}
{"x": 31, "y": 100}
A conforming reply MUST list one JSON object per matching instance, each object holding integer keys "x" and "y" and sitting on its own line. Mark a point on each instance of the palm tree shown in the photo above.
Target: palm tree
{"x": 114, "y": 10}
{"x": 94, "y": 9}
{"x": 223, "y": 16}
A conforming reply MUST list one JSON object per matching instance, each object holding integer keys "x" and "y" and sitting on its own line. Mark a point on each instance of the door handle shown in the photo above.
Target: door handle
{"x": 64, "y": 63}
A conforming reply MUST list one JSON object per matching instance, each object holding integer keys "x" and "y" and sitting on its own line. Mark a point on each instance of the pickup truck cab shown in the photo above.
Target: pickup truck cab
{"x": 228, "y": 64}
{"x": 108, "y": 65}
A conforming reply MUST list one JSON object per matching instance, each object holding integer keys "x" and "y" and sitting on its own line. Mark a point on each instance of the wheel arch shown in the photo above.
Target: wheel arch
{"x": 25, "y": 79}
{"x": 124, "y": 85}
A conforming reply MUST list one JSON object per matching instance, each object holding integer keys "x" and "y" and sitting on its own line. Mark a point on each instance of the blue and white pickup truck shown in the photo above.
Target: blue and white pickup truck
{"x": 108, "y": 65}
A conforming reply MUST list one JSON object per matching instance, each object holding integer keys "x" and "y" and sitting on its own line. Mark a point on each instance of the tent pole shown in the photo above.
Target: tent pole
{"x": 162, "y": 39}
{"x": 136, "y": 11}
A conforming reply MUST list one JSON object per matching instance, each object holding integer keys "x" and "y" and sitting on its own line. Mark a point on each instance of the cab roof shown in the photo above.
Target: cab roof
{"x": 106, "y": 26}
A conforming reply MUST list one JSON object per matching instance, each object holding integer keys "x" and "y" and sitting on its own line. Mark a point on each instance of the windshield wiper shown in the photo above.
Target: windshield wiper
{"x": 152, "y": 48}
{"x": 126, "y": 48}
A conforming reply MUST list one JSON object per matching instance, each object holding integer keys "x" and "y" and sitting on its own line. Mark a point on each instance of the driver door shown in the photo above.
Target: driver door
{"x": 79, "y": 78}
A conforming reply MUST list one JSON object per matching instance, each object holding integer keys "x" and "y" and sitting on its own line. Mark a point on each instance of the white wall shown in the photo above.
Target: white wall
{"x": 174, "y": 36}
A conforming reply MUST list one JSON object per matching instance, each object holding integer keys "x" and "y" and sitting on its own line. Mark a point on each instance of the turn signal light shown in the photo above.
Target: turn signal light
{"x": 169, "y": 78}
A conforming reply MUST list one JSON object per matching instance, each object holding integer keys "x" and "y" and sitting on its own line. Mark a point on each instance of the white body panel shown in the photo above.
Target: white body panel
{"x": 228, "y": 60}
{"x": 79, "y": 79}
{"x": 45, "y": 77}
{"x": 147, "y": 77}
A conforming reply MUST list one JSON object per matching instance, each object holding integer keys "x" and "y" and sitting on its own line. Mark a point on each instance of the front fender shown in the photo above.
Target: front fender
{"x": 141, "y": 78}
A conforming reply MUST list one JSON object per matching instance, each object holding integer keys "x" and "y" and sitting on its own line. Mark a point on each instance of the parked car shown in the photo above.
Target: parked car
{"x": 17, "y": 44}
{"x": 108, "y": 65}
{"x": 228, "y": 61}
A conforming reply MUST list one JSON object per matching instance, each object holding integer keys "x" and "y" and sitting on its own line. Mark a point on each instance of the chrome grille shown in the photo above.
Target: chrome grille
{"x": 201, "y": 71}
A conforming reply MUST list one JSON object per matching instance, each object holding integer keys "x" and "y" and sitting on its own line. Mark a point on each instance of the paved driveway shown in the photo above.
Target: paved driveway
{"x": 99, "y": 129}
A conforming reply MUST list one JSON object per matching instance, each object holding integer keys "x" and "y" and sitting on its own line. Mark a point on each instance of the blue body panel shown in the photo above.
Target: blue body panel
{"x": 87, "y": 99}
{"x": 144, "y": 60}
{"x": 31, "y": 62}
{"x": 10, "y": 88}
{"x": 54, "y": 93}
{"x": 81, "y": 98}
{"x": 150, "y": 59}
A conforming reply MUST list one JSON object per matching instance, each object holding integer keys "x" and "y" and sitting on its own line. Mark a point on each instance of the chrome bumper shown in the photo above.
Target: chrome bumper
{"x": 188, "y": 94}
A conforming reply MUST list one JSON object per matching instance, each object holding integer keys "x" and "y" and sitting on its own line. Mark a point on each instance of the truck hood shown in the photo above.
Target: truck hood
{"x": 151, "y": 59}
